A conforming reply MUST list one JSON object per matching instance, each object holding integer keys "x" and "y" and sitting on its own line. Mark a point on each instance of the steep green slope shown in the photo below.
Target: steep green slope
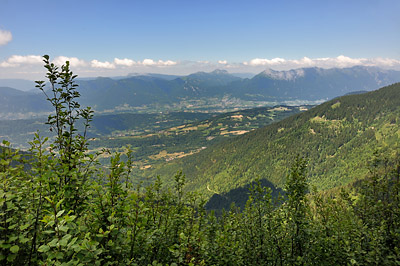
{"x": 338, "y": 137}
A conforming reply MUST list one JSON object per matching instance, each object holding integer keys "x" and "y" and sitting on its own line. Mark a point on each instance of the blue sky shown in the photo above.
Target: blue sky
{"x": 119, "y": 37}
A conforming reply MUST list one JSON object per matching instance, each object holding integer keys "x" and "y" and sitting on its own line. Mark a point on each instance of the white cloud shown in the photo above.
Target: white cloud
{"x": 151, "y": 62}
{"x": 124, "y": 62}
{"x": 387, "y": 62}
{"x": 167, "y": 63}
{"x": 341, "y": 59}
{"x": 98, "y": 64}
{"x": 148, "y": 62}
{"x": 222, "y": 62}
{"x": 5, "y": 37}
{"x": 325, "y": 62}
{"x": 73, "y": 61}
{"x": 264, "y": 62}
{"x": 307, "y": 62}
{"x": 86, "y": 66}
{"x": 17, "y": 60}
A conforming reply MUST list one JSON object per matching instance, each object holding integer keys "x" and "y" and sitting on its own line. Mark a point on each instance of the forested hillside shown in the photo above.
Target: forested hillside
{"x": 337, "y": 137}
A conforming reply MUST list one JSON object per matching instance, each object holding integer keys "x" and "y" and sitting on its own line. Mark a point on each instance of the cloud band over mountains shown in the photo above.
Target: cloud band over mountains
{"x": 327, "y": 62}
{"x": 25, "y": 64}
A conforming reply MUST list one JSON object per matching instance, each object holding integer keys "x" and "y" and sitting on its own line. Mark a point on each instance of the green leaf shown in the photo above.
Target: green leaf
{"x": 14, "y": 249}
{"x": 53, "y": 243}
{"x": 12, "y": 226}
{"x": 72, "y": 242}
{"x": 59, "y": 255}
{"x": 48, "y": 199}
{"x": 58, "y": 205}
{"x": 5, "y": 246}
{"x": 11, "y": 257}
{"x": 63, "y": 228}
{"x": 64, "y": 240}
{"x": 76, "y": 248}
{"x": 23, "y": 227}
{"x": 13, "y": 238}
{"x": 60, "y": 213}
{"x": 43, "y": 248}
{"x": 23, "y": 239}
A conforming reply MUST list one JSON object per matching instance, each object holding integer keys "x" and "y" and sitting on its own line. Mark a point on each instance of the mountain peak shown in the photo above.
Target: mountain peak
{"x": 220, "y": 71}
{"x": 283, "y": 75}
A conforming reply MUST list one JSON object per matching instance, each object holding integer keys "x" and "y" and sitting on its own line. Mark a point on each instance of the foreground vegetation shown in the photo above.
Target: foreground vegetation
{"x": 59, "y": 208}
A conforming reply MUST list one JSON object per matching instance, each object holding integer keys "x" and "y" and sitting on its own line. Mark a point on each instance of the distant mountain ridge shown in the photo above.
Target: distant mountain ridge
{"x": 269, "y": 85}
{"x": 283, "y": 75}
{"x": 15, "y": 104}
{"x": 314, "y": 83}
{"x": 20, "y": 84}
{"x": 277, "y": 87}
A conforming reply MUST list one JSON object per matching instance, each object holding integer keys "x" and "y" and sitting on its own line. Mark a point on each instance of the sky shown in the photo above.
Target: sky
{"x": 112, "y": 38}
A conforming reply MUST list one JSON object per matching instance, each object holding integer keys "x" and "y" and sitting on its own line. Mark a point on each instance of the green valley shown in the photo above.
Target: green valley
{"x": 20, "y": 132}
{"x": 159, "y": 144}
{"x": 338, "y": 138}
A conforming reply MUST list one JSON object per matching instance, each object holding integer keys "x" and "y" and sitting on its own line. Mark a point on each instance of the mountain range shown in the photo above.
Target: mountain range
{"x": 149, "y": 92}
{"x": 314, "y": 83}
